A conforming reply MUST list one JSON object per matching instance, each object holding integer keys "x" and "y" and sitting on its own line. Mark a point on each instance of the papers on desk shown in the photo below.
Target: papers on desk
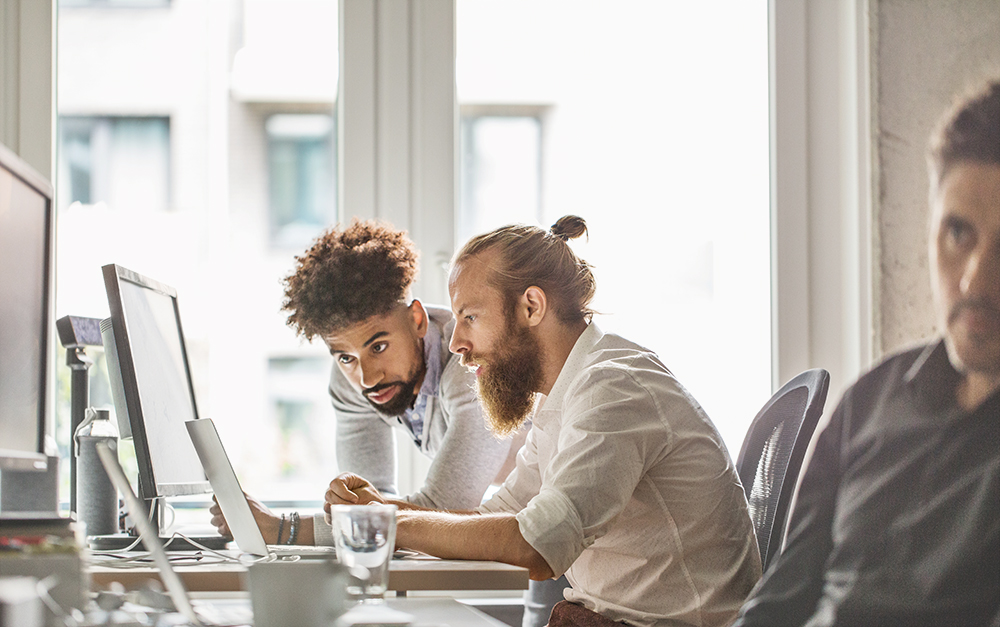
{"x": 370, "y": 614}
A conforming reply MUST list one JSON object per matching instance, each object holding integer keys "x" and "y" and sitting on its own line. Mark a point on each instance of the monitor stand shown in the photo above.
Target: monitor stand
{"x": 121, "y": 541}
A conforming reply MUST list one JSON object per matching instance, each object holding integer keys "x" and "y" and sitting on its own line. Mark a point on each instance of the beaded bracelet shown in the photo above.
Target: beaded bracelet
{"x": 293, "y": 529}
{"x": 281, "y": 526}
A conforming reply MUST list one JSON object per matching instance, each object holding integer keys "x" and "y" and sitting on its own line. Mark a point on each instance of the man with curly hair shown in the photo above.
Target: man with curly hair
{"x": 392, "y": 373}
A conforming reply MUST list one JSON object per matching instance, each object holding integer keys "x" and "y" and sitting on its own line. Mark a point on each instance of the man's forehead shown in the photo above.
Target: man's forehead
{"x": 971, "y": 191}
{"x": 468, "y": 281}
{"x": 362, "y": 332}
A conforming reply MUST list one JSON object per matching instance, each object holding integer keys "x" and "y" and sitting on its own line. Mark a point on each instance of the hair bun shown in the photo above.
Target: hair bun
{"x": 569, "y": 227}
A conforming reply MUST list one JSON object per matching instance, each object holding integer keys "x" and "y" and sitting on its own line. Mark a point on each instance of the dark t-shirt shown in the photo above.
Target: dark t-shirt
{"x": 897, "y": 519}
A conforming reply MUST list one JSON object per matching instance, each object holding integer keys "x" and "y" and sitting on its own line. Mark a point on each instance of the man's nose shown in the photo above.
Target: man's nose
{"x": 371, "y": 374}
{"x": 458, "y": 345}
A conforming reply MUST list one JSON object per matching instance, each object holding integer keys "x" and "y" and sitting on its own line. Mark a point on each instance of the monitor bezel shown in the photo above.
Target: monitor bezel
{"x": 15, "y": 459}
{"x": 149, "y": 488}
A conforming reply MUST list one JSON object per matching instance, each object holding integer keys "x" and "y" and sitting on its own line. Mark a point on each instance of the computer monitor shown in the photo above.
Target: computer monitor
{"x": 155, "y": 383}
{"x": 25, "y": 312}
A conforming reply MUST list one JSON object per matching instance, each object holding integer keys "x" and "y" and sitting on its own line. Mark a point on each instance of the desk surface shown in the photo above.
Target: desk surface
{"x": 434, "y": 611}
{"x": 441, "y": 612}
{"x": 404, "y": 575}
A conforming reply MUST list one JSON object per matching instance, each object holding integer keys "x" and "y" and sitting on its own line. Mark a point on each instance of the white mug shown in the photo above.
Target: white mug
{"x": 305, "y": 593}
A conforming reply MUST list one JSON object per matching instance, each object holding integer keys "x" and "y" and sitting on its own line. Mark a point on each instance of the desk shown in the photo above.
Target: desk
{"x": 436, "y": 611}
{"x": 404, "y": 575}
{"x": 443, "y": 612}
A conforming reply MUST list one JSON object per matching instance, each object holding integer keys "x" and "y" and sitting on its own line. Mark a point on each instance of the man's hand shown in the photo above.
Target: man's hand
{"x": 266, "y": 520}
{"x": 350, "y": 489}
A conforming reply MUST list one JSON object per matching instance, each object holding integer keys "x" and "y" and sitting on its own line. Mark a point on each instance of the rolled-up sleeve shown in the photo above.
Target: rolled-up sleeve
{"x": 551, "y": 525}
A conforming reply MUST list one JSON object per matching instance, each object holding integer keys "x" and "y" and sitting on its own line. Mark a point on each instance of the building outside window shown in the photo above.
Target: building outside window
{"x": 501, "y": 167}
{"x": 214, "y": 199}
{"x": 301, "y": 177}
{"x": 120, "y": 161}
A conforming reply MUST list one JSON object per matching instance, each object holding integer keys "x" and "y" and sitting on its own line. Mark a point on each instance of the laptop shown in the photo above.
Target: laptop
{"x": 201, "y": 615}
{"x": 233, "y": 502}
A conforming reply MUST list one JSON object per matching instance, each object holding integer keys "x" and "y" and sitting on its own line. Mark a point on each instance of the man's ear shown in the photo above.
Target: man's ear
{"x": 534, "y": 305}
{"x": 418, "y": 315}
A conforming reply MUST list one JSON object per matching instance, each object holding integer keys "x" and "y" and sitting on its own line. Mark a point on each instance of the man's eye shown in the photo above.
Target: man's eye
{"x": 958, "y": 232}
{"x": 380, "y": 347}
{"x": 471, "y": 317}
{"x": 344, "y": 359}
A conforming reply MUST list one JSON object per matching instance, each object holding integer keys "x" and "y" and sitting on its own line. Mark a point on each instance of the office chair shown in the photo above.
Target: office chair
{"x": 772, "y": 453}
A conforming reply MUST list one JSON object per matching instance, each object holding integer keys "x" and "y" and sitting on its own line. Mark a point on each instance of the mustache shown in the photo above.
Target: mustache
{"x": 468, "y": 361}
{"x": 976, "y": 305}
{"x": 375, "y": 389}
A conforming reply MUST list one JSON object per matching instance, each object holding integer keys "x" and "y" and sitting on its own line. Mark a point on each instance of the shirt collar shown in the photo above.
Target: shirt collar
{"x": 575, "y": 362}
{"x": 432, "y": 357}
{"x": 932, "y": 377}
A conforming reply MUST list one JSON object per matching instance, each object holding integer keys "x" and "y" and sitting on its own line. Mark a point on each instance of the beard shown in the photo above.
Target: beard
{"x": 508, "y": 383}
{"x": 407, "y": 394}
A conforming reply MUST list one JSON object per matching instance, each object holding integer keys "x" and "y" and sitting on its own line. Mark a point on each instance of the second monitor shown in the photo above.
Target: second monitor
{"x": 152, "y": 388}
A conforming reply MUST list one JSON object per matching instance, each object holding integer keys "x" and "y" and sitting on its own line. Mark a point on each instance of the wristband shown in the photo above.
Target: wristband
{"x": 293, "y": 527}
{"x": 281, "y": 527}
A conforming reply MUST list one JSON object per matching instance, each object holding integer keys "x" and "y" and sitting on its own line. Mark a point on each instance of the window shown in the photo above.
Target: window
{"x": 300, "y": 452}
{"x": 301, "y": 170}
{"x": 214, "y": 199}
{"x": 655, "y": 130}
{"x": 501, "y": 171}
{"x": 603, "y": 113}
{"x": 123, "y": 162}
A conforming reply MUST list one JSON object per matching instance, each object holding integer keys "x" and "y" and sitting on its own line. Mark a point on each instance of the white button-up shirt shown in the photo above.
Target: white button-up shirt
{"x": 625, "y": 485}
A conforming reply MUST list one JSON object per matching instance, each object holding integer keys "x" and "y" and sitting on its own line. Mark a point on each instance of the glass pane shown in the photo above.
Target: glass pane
{"x": 501, "y": 159}
{"x": 301, "y": 176}
{"x": 653, "y": 127}
{"x": 122, "y": 162}
{"x": 177, "y": 127}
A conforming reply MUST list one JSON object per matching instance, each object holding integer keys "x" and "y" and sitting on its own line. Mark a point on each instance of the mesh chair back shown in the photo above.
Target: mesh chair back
{"x": 772, "y": 453}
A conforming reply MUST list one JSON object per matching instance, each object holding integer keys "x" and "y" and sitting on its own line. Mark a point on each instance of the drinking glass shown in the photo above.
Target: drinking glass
{"x": 365, "y": 536}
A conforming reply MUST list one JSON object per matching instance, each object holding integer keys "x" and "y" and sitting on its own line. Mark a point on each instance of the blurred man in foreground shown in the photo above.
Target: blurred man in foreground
{"x": 897, "y": 519}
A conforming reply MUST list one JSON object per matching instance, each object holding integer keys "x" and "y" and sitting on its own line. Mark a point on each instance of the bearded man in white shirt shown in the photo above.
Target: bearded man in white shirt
{"x": 623, "y": 483}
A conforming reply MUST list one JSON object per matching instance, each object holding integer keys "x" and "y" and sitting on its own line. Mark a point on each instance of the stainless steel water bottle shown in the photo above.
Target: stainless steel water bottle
{"x": 96, "y": 498}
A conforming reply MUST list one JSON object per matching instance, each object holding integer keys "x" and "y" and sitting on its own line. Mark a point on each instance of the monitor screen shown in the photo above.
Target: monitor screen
{"x": 25, "y": 285}
{"x": 156, "y": 383}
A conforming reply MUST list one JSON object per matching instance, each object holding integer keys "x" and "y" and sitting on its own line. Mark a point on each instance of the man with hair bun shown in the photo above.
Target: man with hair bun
{"x": 623, "y": 482}
{"x": 392, "y": 374}
{"x": 897, "y": 518}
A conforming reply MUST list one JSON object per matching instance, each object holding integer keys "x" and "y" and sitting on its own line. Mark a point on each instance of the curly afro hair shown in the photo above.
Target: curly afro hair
{"x": 349, "y": 275}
